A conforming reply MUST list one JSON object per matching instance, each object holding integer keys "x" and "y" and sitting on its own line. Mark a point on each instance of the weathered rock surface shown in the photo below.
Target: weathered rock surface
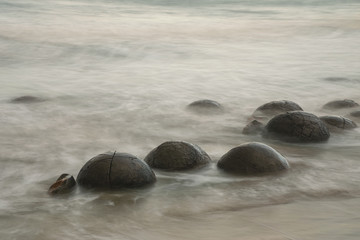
{"x": 253, "y": 158}
{"x": 27, "y": 99}
{"x": 340, "y": 104}
{"x": 338, "y": 122}
{"x": 252, "y": 128}
{"x": 276, "y": 107}
{"x": 297, "y": 126}
{"x": 175, "y": 155}
{"x": 114, "y": 170}
{"x": 64, "y": 184}
{"x": 205, "y": 106}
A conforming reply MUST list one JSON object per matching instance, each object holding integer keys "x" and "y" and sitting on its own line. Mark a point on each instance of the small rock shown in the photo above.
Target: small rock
{"x": 253, "y": 158}
{"x": 340, "y": 104}
{"x": 205, "y": 106}
{"x": 355, "y": 114}
{"x": 64, "y": 184}
{"x": 27, "y": 99}
{"x": 297, "y": 126}
{"x": 254, "y": 127}
{"x": 175, "y": 155}
{"x": 114, "y": 170}
{"x": 338, "y": 122}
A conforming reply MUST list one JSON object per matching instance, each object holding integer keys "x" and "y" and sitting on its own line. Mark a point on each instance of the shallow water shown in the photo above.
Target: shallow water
{"x": 117, "y": 75}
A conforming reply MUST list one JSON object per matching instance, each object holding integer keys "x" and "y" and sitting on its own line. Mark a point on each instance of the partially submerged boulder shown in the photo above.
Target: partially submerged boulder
{"x": 253, "y": 158}
{"x": 273, "y": 108}
{"x": 297, "y": 126}
{"x": 174, "y": 155}
{"x": 114, "y": 170}
{"x": 205, "y": 106}
{"x": 341, "y": 104}
{"x": 27, "y": 99}
{"x": 355, "y": 113}
{"x": 252, "y": 128}
{"x": 338, "y": 122}
{"x": 64, "y": 184}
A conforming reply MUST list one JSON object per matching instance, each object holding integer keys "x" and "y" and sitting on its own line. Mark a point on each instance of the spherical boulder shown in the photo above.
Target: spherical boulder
{"x": 338, "y": 122}
{"x": 276, "y": 107}
{"x": 297, "y": 126}
{"x": 114, "y": 170}
{"x": 27, "y": 99}
{"x": 64, "y": 184}
{"x": 174, "y": 155}
{"x": 205, "y": 106}
{"x": 253, "y": 158}
{"x": 252, "y": 128}
{"x": 340, "y": 104}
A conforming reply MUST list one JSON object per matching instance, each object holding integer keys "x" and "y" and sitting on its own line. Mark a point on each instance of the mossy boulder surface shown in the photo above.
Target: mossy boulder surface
{"x": 338, "y": 122}
{"x": 341, "y": 104}
{"x": 297, "y": 126}
{"x": 177, "y": 155}
{"x": 114, "y": 170}
{"x": 253, "y": 158}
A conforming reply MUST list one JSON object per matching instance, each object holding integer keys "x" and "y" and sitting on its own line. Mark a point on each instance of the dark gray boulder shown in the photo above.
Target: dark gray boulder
{"x": 205, "y": 106}
{"x": 340, "y": 104}
{"x": 275, "y": 107}
{"x": 27, "y": 99}
{"x": 338, "y": 122}
{"x": 64, "y": 184}
{"x": 175, "y": 155}
{"x": 253, "y": 158}
{"x": 114, "y": 170}
{"x": 355, "y": 113}
{"x": 297, "y": 126}
{"x": 252, "y": 128}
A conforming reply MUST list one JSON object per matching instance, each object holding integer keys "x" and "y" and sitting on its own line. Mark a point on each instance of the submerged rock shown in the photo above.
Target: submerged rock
{"x": 355, "y": 113}
{"x": 276, "y": 107}
{"x": 205, "y": 106}
{"x": 338, "y": 122}
{"x": 252, "y": 128}
{"x": 27, "y": 99}
{"x": 297, "y": 126}
{"x": 64, "y": 184}
{"x": 339, "y": 104}
{"x": 114, "y": 170}
{"x": 175, "y": 155}
{"x": 253, "y": 158}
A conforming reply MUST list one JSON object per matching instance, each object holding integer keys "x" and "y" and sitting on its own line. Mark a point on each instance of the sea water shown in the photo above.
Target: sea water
{"x": 117, "y": 76}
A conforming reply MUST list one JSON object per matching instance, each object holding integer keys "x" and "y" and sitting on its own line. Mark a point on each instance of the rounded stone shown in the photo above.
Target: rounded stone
{"x": 26, "y": 99}
{"x": 340, "y": 104}
{"x": 252, "y": 128}
{"x": 174, "y": 155}
{"x": 338, "y": 122}
{"x": 205, "y": 106}
{"x": 253, "y": 158}
{"x": 276, "y": 107}
{"x": 297, "y": 126}
{"x": 114, "y": 170}
{"x": 64, "y": 184}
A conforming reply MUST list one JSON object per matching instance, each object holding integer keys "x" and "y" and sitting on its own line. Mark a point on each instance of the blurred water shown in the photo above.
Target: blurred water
{"x": 117, "y": 75}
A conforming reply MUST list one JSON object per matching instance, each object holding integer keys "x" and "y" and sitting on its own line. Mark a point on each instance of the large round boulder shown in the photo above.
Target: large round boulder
{"x": 253, "y": 158}
{"x": 114, "y": 170}
{"x": 174, "y": 155}
{"x": 338, "y": 122}
{"x": 340, "y": 104}
{"x": 275, "y": 107}
{"x": 297, "y": 126}
{"x": 205, "y": 106}
{"x": 64, "y": 184}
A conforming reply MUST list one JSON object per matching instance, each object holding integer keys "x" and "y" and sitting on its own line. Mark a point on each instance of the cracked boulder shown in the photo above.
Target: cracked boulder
{"x": 253, "y": 158}
{"x": 114, "y": 170}
{"x": 297, "y": 126}
{"x": 64, "y": 184}
{"x": 173, "y": 155}
{"x": 252, "y": 128}
{"x": 341, "y": 104}
{"x": 273, "y": 108}
{"x": 205, "y": 106}
{"x": 338, "y": 122}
